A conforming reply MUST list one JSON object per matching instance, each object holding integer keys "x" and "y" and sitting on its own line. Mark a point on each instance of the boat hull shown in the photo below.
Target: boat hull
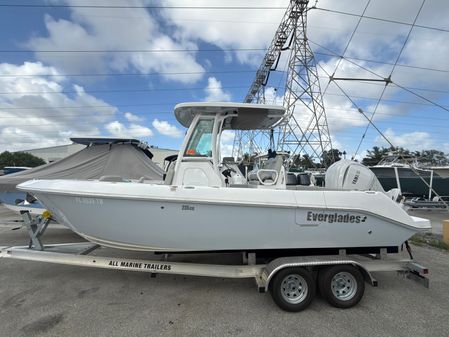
{"x": 167, "y": 218}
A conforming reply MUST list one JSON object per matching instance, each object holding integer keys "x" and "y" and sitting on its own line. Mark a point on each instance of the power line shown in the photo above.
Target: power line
{"x": 385, "y": 100}
{"x": 202, "y": 88}
{"x": 215, "y": 72}
{"x": 370, "y": 122}
{"x": 120, "y": 90}
{"x": 170, "y": 113}
{"x": 347, "y": 46}
{"x": 79, "y": 126}
{"x": 411, "y": 88}
{"x": 130, "y": 74}
{"x": 434, "y": 126}
{"x": 79, "y": 106}
{"x": 48, "y": 133}
{"x": 379, "y": 76}
{"x": 209, "y": 8}
{"x": 210, "y": 50}
{"x": 370, "y": 119}
{"x": 52, "y": 108}
{"x": 207, "y": 72}
{"x": 145, "y": 90}
{"x": 144, "y": 7}
{"x": 398, "y": 115}
{"x": 334, "y": 54}
{"x": 78, "y": 114}
{"x": 383, "y": 20}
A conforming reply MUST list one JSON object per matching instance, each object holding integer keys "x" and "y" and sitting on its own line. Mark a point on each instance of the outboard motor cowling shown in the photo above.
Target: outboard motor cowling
{"x": 351, "y": 175}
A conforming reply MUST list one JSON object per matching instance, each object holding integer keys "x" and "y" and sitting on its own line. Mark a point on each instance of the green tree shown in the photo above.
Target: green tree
{"x": 425, "y": 157}
{"x": 376, "y": 154}
{"x": 432, "y": 157}
{"x": 306, "y": 162}
{"x": 330, "y": 157}
{"x": 19, "y": 159}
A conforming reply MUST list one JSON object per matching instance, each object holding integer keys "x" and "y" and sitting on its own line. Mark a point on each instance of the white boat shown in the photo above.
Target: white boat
{"x": 205, "y": 205}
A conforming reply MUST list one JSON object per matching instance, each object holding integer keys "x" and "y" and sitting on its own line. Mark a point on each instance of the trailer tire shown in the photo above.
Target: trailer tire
{"x": 293, "y": 289}
{"x": 342, "y": 286}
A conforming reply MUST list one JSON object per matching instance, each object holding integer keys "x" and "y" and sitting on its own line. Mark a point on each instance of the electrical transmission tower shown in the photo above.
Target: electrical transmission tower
{"x": 304, "y": 129}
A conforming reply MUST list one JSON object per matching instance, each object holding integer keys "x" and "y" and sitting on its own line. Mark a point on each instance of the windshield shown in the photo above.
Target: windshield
{"x": 200, "y": 143}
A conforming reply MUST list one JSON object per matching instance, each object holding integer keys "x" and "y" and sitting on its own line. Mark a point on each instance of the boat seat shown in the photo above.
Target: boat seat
{"x": 269, "y": 171}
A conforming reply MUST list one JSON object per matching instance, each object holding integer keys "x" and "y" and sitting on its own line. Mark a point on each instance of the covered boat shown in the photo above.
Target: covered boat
{"x": 104, "y": 158}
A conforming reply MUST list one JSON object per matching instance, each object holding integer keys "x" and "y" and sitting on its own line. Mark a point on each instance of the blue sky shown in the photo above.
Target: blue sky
{"x": 125, "y": 90}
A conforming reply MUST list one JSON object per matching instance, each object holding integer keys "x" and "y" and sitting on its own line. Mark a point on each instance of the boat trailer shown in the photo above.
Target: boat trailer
{"x": 292, "y": 281}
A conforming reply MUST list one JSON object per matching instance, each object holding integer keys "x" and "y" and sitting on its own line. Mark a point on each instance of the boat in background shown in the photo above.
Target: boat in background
{"x": 407, "y": 174}
{"x": 203, "y": 204}
{"x": 437, "y": 203}
{"x": 103, "y": 158}
{"x": 13, "y": 169}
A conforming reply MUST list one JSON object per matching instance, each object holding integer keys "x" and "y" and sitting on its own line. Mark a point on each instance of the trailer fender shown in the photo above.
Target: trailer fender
{"x": 309, "y": 262}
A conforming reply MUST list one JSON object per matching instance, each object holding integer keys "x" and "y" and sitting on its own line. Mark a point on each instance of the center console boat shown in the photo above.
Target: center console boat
{"x": 207, "y": 204}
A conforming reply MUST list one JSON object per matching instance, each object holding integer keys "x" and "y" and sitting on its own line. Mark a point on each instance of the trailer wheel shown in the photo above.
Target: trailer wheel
{"x": 342, "y": 286}
{"x": 292, "y": 289}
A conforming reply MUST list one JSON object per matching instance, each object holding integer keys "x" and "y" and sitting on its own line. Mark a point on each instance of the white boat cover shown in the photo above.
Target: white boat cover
{"x": 127, "y": 160}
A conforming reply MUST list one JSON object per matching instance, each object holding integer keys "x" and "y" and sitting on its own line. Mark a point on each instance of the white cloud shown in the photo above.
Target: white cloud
{"x": 113, "y": 29}
{"x": 132, "y": 118}
{"x": 246, "y": 29}
{"x": 110, "y": 29}
{"x": 228, "y": 29}
{"x": 379, "y": 41}
{"x": 226, "y": 150}
{"x": 118, "y": 129}
{"x": 411, "y": 140}
{"x": 227, "y": 136}
{"x": 39, "y": 111}
{"x": 373, "y": 40}
{"x": 227, "y": 143}
{"x": 214, "y": 91}
{"x": 359, "y": 156}
{"x": 166, "y": 129}
{"x": 272, "y": 97}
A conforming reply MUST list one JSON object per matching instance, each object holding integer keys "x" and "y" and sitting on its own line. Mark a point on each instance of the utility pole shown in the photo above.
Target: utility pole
{"x": 304, "y": 129}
